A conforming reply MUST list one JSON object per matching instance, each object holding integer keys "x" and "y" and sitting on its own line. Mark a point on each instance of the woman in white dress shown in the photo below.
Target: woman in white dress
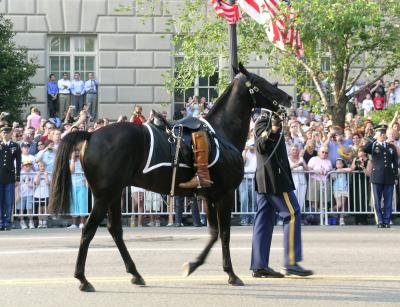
{"x": 298, "y": 166}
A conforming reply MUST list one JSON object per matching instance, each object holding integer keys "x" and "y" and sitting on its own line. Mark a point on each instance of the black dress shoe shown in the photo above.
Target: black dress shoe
{"x": 296, "y": 270}
{"x": 267, "y": 273}
{"x": 386, "y": 225}
{"x": 380, "y": 226}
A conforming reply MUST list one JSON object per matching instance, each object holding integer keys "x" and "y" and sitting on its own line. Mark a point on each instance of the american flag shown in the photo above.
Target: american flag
{"x": 279, "y": 27}
{"x": 229, "y": 11}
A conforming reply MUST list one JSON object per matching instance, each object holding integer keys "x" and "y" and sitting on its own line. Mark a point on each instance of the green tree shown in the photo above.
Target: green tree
{"x": 361, "y": 39}
{"x": 15, "y": 73}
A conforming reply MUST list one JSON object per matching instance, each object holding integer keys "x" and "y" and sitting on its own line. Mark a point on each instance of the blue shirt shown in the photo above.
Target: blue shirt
{"x": 91, "y": 86}
{"x": 52, "y": 88}
{"x": 333, "y": 152}
{"x": 77, "y": 87}
{"x": 48, "y": 158}
{"x": 341, "y": 183}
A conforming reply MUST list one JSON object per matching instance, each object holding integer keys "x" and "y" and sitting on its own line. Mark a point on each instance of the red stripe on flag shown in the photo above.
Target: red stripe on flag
{"x": 229, "y": 11}
{"x": 253, "y": 4}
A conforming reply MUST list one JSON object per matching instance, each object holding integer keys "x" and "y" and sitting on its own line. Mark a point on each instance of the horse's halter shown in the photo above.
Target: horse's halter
{"x": 253, "y": 90}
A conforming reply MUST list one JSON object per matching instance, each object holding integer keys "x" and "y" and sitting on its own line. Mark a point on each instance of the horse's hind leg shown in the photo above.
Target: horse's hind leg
{"x": 95, "y": 218}
{"x": 190, "y": 267}
{"x": 115, "y": 229}
{"x": 224, "y": 208}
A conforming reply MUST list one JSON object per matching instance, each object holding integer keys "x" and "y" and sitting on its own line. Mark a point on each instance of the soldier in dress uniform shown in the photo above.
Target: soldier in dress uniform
{"x": 274, "y": 186}
{"x": 10, "y": 168}
{"x": 383, "y": 176}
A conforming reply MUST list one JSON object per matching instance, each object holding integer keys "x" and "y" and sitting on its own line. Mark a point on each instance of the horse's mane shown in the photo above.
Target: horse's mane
{"x": 221, "y": 99}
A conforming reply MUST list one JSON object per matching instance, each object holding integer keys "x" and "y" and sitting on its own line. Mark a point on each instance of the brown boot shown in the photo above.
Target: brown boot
{"x": 202, "y": 177}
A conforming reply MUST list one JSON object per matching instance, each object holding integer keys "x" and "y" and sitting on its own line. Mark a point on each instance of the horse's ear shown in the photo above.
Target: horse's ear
{"x": 235, "y": 70}
{"x": 275, "y": 84}
{"x": 243, "y": 70}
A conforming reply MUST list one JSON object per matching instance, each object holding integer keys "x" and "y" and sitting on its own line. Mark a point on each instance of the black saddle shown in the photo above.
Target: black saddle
{"x": 189, "y": 125}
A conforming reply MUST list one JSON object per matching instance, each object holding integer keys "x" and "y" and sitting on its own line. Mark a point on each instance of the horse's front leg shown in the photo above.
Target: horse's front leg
{"x": 224, "y": 217}
{"x": 190, "y": 267}
{"x": 89, "y": 230}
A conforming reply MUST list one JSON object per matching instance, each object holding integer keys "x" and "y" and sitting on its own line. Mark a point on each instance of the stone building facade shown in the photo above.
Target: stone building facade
{"x": 128, "y": 52}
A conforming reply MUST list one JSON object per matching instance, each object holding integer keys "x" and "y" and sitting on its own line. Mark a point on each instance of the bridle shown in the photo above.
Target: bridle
{"x": 280, "y": 113}
{"x": 254, "y": 89}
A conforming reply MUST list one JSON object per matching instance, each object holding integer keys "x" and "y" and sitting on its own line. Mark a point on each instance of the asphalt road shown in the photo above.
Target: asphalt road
{"x": 354, "y": 265}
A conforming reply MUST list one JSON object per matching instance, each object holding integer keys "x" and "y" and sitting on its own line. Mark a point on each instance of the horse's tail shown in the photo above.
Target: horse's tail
{"x": 61, "y": 184}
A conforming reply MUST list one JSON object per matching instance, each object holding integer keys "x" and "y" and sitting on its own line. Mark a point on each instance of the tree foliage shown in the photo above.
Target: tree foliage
{"x": 15, "y": 73}
{"x": 361, "y": 39}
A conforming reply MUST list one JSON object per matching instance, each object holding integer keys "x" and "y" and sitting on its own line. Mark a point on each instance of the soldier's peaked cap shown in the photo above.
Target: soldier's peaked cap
{"x": 5, "y": 129}
{"x": 381, "y": 127}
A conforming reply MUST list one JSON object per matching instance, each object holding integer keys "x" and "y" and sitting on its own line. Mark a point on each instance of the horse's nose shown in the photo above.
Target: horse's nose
{"x": 288, "y": 102}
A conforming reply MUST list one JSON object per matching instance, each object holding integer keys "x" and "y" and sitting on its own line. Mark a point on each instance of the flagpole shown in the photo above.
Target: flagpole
{"x": 233, "y": 45}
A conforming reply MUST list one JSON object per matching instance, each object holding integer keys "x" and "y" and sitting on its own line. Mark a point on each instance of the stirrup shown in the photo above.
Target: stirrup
{"x": 198, "y": 182}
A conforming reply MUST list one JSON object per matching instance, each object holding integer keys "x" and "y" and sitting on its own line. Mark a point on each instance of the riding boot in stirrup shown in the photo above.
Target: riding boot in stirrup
{"x": 200, "y": 149}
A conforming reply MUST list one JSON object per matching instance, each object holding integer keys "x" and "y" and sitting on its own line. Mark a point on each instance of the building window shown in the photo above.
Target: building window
{"x": 202, "y": 87}
{"x": 72, "y": 54}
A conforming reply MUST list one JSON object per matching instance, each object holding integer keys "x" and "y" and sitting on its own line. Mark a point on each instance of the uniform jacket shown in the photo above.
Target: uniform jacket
{"x": 384, "y": 162}
{"x": 275, "y": 176}
{"x": 10, "y": 162}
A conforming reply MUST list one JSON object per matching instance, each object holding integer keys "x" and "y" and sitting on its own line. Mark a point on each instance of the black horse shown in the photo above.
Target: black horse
{"x": 115, "y": 156}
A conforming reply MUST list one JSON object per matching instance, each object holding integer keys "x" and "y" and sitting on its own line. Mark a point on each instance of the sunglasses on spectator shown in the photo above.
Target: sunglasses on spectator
{"x": 324, "y": 152}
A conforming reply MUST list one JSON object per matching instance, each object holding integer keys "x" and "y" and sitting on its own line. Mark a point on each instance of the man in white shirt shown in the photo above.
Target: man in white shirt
{"x": 247, "y": 190}
{"x": 64, "y": 87}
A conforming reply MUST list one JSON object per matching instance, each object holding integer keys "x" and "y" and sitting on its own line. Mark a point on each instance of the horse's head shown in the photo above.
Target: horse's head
{"x": 264, "y": 94}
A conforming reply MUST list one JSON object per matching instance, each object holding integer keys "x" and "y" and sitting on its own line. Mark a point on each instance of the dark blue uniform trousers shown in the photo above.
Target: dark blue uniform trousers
{"x": 387, "y": 191}
{"x": 288, "y": 207}
{"x": 7, "y": 194}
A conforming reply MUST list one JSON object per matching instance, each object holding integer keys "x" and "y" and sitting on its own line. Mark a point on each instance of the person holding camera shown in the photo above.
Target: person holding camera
{"x": 137, "y": 117}
{"x": 275, "y": 193}
{"x": 47, "y": 155}
{"x": 10, "y": 169}
{"x": 360, "y": 187}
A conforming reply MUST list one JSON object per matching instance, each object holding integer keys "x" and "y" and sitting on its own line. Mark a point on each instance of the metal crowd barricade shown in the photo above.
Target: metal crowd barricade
{"x": 357, "y": 198}
{"x": 317, "y": 196}
{"x": 31, "y": 199}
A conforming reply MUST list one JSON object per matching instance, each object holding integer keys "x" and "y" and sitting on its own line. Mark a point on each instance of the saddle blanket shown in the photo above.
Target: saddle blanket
{"x": 161, "y": 151}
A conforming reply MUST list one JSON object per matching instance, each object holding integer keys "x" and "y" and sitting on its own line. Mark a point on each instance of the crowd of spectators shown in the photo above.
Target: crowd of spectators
{"x": 322, "y": 155}
{"x": 313, "y": 143}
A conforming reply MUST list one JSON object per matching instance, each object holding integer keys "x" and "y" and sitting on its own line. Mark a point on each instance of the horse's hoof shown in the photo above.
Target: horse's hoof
{"x": 235, "y": 281}
{"x": 138, "y": 280}
{"x": 188, "y": 268}
{"x": 87, "y": 287}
